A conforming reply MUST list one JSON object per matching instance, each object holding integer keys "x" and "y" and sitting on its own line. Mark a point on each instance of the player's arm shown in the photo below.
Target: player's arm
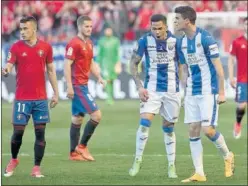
{"x": 134, "y": 62}
{"x": 67, "y": 73}
{"x": 7, "y": 69}
{"x": 182, "y": 67}
{"x": 211, "y": 50}
{"x": 11, "y": 60}
{"x": 221, "y": 77}
{"x": 96, "y": 71}
{"x": 182, "y": 74}
{"x": 70, "y": 57}
{"x": 231, "y": 61}
{"x": 51, "y": 72}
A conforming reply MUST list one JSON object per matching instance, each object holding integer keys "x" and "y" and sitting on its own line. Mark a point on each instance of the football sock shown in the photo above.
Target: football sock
{"x": 170, "y": 144}
{"x": 40, "y": 143}
{"x": 239, "y": 115}
{"x": 196, "y": 154}
{"x": 220, "y": 144}
{"x": 16, "y": 140}
{"x": 142, "y": 137}
{"x": 88, "y": 131}
{"x": 74, "y": 135}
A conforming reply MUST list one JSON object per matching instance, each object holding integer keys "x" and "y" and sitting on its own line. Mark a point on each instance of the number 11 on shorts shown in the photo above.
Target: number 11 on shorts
{"x": 21, "y": 106}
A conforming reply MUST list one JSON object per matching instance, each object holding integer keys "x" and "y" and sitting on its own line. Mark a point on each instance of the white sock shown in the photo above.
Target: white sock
{"x": 196, "y": 154}
{"x": 141, "y": 139}
{"x": 221, "y": 145}
{"x": 170, "y": 146}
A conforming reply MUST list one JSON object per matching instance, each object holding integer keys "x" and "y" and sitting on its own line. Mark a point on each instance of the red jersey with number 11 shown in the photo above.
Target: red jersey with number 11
{"x": 30, "y": 63}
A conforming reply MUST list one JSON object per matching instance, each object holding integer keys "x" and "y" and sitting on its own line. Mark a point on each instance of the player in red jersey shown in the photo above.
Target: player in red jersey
{"x": 30, "y": 56}
{"x": 79, "y": 63}
{"x": 239, "y": 51}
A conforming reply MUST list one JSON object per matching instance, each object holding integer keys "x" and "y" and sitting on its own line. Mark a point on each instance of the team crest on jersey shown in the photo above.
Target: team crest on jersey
{"x": 41, "y": 53}
{"x": 171, "y": 46}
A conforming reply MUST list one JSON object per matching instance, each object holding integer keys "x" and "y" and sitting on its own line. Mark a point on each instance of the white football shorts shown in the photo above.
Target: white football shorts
{"x": 201, "y": 108}
{"x": 164, "y": 103}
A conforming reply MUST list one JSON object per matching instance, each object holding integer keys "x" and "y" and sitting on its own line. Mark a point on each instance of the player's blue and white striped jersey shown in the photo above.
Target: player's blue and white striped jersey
{"x": 197, "y": 54}
{"x": 161, "y": 62}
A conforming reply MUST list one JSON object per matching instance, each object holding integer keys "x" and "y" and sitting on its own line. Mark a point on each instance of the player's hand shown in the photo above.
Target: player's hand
{"x": 102, "y": 81}
{"x": 221, "y": 99}
{"x": 233, "y": 83}
{"x": 54, "y": 101}
{"x": 143, "y": 94}
{"x": 70, "y": 93}
{"x": 5, "y": 72}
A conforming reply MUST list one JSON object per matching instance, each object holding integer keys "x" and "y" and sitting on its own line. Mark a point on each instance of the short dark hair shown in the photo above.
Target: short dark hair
{"x": 28, "y": 18}
{"x": 245, "y": 19}
{"x": 187, "y": 12}
{"x": 159, "y": 17}
{"x": 81, "y": 19}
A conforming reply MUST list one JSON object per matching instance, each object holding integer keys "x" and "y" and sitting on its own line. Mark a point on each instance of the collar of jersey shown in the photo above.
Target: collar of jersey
{"x": 169, "y": 34}
{"x": 196, "y": 32}
{"x": 32, "y": 46}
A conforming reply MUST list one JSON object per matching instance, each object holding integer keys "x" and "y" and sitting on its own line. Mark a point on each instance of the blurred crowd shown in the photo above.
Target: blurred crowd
{"x": 128, "y": 19}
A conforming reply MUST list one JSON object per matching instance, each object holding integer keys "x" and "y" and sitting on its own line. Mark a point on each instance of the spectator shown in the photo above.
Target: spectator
{"x": 45, "y": 24}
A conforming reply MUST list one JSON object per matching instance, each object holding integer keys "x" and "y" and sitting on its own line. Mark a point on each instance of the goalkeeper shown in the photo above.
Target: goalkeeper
{"x": 108, "y": 59}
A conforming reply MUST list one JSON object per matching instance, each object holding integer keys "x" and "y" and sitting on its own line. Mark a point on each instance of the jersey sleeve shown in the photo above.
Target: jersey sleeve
{"x": 210, "y": 46}
{"x": 70, "y": 51}
{"x": 12, "y": 55}
{"x": 233, "y": 48}
{"x": 179, "y": 53}
{"x": 49, "y": 58}
{"x": 139, "y": 48}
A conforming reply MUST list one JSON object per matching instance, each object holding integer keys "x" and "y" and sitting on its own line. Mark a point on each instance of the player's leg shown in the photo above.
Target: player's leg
{"x": 89, "y": 129}
{"x": 21, "y": 116}
{"x": 78, "y": 112}
{"x": 192, "y": 117}
{"x": 87, "y": 105}
{"x": 209, "y": 117}
{"x": 147, "y": 111}
{"x": 142, "y": 135}
{"x": 76, "y": 122}
{"x": 41, "y": 117}
{"x": 241, "y": 99}
{"x": 170, "y": 111}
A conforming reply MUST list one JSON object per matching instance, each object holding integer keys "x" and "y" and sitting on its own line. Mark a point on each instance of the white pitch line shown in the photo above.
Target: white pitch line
{"x": 122, "y": 155}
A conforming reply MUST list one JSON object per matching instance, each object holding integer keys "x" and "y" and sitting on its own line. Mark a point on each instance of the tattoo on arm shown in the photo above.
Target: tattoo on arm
{"x": 135, "y": 60}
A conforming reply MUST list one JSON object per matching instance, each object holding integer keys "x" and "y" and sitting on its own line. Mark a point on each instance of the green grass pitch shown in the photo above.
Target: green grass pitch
{"x": 113, "y": 146}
